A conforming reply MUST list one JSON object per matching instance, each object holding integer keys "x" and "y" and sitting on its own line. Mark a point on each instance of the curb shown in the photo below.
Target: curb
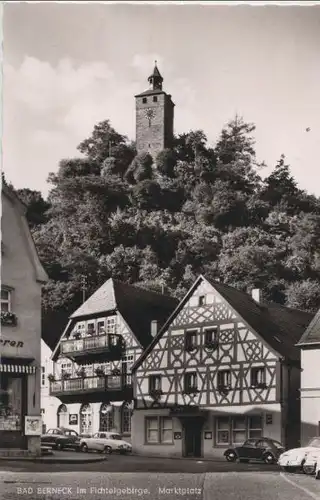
{"x": 198, "y": 459}
{"x": 44, "y": 460}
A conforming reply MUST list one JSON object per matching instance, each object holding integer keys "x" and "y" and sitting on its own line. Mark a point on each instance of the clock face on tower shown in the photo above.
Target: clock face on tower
{"x": 150, "y": 113}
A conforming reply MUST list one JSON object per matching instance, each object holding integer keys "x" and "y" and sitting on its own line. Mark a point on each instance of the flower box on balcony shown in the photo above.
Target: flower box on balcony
{"x": 65, "y": 375}
{"x": 116, "y": 371}
{"x": 51, "y": 378}
{"x": 99, "y": 372}
{"x": 81, "y": 373}
{"x": 76, "y": 336}
{"x": 210, "y": 346}
{"x": 8, "y": 318}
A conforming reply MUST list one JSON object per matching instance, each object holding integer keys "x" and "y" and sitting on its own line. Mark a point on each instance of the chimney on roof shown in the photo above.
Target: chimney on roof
{"x": 256, "y": 294}
{"x": 154, "y": 328}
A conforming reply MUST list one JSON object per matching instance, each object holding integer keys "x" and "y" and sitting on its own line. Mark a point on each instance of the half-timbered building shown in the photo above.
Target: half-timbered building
{"x": 93, "y": 359}
{"x": 310, "y": 380}
{"x": 223, "y": 368}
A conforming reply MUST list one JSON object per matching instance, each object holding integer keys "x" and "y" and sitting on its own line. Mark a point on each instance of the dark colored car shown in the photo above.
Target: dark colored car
{"x": 264, "y": 449}
{"x": 61, "y": 438}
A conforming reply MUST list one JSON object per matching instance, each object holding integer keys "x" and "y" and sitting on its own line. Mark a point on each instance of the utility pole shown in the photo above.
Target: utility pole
{"x": 83, "y": 287}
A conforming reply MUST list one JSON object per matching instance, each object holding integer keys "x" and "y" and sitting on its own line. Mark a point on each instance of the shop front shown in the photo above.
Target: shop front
{"x": 18, "y": 430}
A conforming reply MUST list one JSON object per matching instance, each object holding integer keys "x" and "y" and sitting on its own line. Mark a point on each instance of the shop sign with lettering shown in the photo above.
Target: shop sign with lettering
{"x": 11, "y": 343}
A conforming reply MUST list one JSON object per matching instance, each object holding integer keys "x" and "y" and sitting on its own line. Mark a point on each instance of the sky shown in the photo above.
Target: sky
{"x": 69, "y": 66}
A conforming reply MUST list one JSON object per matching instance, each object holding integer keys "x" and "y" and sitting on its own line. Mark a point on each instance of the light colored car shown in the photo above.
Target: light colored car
{"x": 105, "y": 442}
{"x": 312, "y": 463}
{"x": 294, "y": 460}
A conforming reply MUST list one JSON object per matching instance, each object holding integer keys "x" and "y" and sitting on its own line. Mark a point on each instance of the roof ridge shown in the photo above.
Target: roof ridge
{"x": 139, "y": 287}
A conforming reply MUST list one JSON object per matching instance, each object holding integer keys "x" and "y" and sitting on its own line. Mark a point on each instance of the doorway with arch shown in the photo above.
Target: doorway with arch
{"x": 63, "y": 416}
{"x": 85, "y": 419}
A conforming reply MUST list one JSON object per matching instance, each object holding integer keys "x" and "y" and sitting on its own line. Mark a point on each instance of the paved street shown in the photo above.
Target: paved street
{"x": 158, "y": 486}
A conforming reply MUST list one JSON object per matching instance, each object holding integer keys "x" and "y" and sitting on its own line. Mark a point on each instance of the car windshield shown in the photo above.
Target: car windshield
{"x": 115, "y": 436}
{"x": 314, "y": 442}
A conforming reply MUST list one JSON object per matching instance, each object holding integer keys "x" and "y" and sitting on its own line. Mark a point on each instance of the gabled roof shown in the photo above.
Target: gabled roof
{"x": 40, "y": 274}
{"x": 278, "y": 326}
{"x": 312, "y": 334}
{"x": 137, "y": 306}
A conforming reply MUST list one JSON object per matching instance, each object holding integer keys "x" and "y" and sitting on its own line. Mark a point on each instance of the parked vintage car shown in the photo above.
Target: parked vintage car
{"x": 61, "y": 438}
{"x": 263, "y": 449}
{"x": 311, "y": 464}
{"x": 105, "y": 442}
{"x": 295, "y": 459}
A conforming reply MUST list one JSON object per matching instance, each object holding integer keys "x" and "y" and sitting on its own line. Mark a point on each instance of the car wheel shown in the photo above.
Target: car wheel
{"x": 290, "y": 469}
{"x": 308, "y": 469}
{"x": 243, "y": 460}
{"x": 107, "y": 450}
{"x": 268, "y": 458}
{"x": 231, "y": 456}
{"x": 84, "y": 448}
{"x": 317, "y": 476}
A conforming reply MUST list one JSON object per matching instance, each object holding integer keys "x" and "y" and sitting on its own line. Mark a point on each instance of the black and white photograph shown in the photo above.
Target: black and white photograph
{"x": 160, "y": 250}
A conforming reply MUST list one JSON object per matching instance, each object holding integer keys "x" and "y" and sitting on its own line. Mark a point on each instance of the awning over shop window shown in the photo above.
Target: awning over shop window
{"x": 17, "y": 368}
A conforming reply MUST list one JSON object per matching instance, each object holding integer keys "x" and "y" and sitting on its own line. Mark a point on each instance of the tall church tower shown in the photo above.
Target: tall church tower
{"x": 154, "y": 117}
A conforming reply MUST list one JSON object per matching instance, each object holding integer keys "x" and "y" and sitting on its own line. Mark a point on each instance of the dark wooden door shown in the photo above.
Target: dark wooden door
{"x": 192, "y": 438}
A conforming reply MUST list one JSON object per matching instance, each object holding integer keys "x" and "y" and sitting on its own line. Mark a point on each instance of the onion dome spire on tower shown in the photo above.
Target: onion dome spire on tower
{"x": 155, "y": 79}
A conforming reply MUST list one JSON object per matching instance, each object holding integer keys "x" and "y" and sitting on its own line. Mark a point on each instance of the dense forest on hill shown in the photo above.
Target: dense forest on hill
{"x": 196, "y": 210}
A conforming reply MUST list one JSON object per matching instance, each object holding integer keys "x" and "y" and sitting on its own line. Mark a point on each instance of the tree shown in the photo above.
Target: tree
{"x": 37, "y": 207}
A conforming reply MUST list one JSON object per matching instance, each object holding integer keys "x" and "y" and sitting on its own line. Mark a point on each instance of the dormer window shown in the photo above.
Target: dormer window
{"x": 190, "y": 340}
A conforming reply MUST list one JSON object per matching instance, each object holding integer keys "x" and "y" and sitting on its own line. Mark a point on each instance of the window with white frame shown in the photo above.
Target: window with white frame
{"x": 211, "y": 335}
{"x": 154, "y": 383}
{"x": 126, "y": 418}
{"x": 91, "y": 328}
{"x": 224, "y": 379}
{"x": 258, "y": 376}
{"x": 159, "y": 430}
{"x": 111, "y": 323}
{"x": 236, "y": 429}
{"x": 5, "y": 300}
{"x": 66, "y": 368}
{"x": 239, "y": 432}
{"x": 255, "y": 426}
{"x": 101, "y": 327}
{"x": 43, "y": 375}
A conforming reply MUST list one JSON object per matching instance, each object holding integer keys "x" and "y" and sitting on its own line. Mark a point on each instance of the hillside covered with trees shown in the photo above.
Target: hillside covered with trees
{"x": 197, "y": 209}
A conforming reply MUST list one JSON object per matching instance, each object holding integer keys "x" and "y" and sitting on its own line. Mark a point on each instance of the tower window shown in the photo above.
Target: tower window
{"x": 155, "y": 98}
{"x": 144, "y": 100}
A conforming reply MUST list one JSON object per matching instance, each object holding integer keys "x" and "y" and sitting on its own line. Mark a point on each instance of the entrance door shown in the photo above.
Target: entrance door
{"x": 13, "y": 405}
{"x": 192, "y": 437}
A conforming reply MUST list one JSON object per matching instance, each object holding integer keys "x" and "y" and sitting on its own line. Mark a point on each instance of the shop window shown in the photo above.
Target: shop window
{"x": 239, "y": 433}
{"x": 159, "y": 430}
{"x": 235, "y": 430}
{"x": 106, "y": 417}
{"x": 11, "y": 397}
{"x": 254, "y": 426}
{"x": 5, "y": 300}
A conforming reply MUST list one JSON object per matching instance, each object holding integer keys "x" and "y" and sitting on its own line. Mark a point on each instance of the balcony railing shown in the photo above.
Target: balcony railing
{"x": 107, "y": 383}
{"x": 106, "y": 346}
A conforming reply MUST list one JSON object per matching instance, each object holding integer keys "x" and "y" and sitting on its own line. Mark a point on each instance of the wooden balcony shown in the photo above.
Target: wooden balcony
{"x": 93, "y": 348}
{"x": 93, "y": 389}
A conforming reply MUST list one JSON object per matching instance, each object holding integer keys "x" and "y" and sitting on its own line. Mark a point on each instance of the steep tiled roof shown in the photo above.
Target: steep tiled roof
{"x": 312, "y": 333}
{"x": 278, "y": 326}
{"x": 137, "y": 306}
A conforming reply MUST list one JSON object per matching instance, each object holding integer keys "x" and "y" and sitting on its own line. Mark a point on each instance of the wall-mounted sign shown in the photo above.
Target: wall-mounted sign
{"x": 268, "y": 418}
{"x": 11, "y": 343}
{"x": 177, "y": 435}
{"x": 33, "y": 426}
{"x": 73, "y": 419}
{"x": 207, "y": 435}
{"x": 182, "y": 409}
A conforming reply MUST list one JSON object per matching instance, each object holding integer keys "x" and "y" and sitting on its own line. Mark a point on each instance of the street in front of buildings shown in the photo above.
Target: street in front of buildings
{"x": 158, "y": 486}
